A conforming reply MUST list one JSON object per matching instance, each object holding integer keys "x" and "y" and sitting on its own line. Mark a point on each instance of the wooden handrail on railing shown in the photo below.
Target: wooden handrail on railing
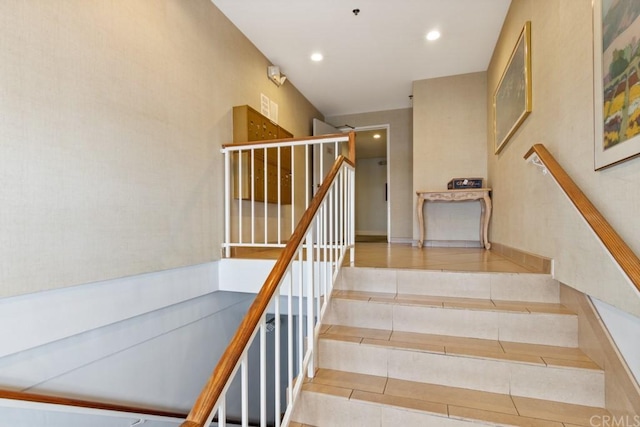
{"x": 305, "y": 140}
{"x": 224, "y": 370}
{"x": 619, "y": 250}
{"x": 78, "y": 403}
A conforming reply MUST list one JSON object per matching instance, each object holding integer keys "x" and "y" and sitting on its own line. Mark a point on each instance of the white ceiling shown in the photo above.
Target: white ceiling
{"x": 370, "y": 60}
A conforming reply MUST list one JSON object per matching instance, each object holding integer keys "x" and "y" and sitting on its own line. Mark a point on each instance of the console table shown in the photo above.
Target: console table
{"x": 481, "y": 194}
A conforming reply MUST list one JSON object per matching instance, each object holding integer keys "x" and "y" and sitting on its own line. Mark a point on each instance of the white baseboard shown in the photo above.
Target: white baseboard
{"x": 450, "y": 244}
{"x": 371, "y": 232}
{"x": 405, "y": 240}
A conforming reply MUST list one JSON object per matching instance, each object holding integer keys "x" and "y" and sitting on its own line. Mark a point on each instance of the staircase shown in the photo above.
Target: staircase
{"x": 432, "y": 348}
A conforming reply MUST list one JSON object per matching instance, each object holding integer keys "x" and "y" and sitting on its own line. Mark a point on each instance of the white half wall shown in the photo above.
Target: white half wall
{"x": 36, "y": 319}
{"x": 624, "y": 329}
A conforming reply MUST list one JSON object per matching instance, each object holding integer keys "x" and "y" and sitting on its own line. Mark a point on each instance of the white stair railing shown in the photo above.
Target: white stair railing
{"x": 268, "y": 186}
{"x": 299, "y": 289}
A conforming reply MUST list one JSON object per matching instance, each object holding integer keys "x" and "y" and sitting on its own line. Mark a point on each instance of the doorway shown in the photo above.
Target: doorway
{"x": 373, "y": 177}
{"x": 372, "y": 184}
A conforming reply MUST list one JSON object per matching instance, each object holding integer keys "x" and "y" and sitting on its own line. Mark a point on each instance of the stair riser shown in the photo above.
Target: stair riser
{"x": 498, "y": 286}
{"x": 320, "y": 409}
{"x": 569, "y": 385}
{"x": 533, "y": 328}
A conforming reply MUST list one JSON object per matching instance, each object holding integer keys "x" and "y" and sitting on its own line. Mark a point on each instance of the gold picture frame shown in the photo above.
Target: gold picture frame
{"x": 616, "y": 82}
{"x": 512, "y": 98}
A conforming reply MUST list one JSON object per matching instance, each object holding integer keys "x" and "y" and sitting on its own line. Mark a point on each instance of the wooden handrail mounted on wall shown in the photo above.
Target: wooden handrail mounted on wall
{"x": 619, "y": 250}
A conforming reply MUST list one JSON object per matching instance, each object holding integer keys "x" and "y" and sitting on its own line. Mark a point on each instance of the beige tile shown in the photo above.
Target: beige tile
{"x": 417, "y": 300}
{"x": 511, "y": 306}
{"x": 380, "y": 334}
{"x": 568, "y": 353}
{"x": 350, "y": 380}
{"x": 573, "y": 414}
{"x": 525, "y": 287}
{"x": 361, "y": 314}
{"x": 450, "y": 370}
{"x": 441, "y": 321}
{"x": 405, "y": 345}
{"x": 576, "y": 386}
{"x": 444, "y": 340}
{"x": 494, "y": 355}
{"x": 540, "y": 307}
{"x": 312, "y": 409}
{"x": 352, "y": 357}
{"x": 499, "y": 418}
{"x": 366, "y": 294}
{"x": 583, "y": 364}
{"x": 395, "y": 417}
{"x": 424, "y": 282}
{"x": 386, "y": 300}
{"x": 451, "y": 395}
{"x": 486, "y": 266}
{"x": 369, "y": 279}
{"x": 350, "y": 295}
{"x": 327, "y": 389}
{"x": 377, "y": 256}
{"x": 470, "y": 305}
{"x": 336, "y": 337}
{"x": 403, "y": 402}
{"x": 324, "y": 327}
{"x": 539, "y": 328}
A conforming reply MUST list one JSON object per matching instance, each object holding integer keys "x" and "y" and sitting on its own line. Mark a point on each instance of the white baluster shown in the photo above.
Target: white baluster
{"x": 227, "y": 203}
{"x": 277, "y": 359}
{"x": 263, "y": 372}
{"x": 310, "y": 293}
{"x": 244, "y": 380}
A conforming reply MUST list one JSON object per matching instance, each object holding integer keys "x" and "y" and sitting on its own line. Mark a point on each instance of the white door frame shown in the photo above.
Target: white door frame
{"x": 386, "y": 127}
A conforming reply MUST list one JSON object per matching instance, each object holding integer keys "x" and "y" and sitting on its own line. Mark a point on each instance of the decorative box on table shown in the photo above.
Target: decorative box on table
{"x": 462, "y": 183}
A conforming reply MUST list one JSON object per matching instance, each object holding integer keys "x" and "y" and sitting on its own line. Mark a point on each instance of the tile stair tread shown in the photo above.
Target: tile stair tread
{"x": 565, "y": 357}
{"x": 454, "y": 302}
{"x": 452, "y": 402}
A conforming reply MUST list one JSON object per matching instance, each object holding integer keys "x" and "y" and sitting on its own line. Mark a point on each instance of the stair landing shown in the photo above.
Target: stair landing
{"x": 384, "y": 255}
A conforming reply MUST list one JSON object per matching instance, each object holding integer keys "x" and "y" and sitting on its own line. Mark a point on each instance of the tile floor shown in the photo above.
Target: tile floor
{"x": 385, "y": 255}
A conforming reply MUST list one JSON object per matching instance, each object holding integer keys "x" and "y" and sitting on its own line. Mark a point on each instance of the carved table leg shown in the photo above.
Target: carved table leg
{"x": 487, "y": 218}
{"x": 483, "y": 212}
{"x": 421, "y": 221}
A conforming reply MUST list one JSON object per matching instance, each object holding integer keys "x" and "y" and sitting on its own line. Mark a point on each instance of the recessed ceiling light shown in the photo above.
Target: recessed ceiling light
{"x": 433, "y": 35}
{"x": 317, "y": 57}
{"x": 376, "y": 136}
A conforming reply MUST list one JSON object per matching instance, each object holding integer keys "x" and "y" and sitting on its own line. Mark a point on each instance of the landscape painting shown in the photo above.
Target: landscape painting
{"x": 512, "y": 98}
{"x": 617, "y": 75}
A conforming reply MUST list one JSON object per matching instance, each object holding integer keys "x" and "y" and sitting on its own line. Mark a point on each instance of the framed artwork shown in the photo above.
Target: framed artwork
{"x": 616, "y": 57}
{"x": 512, "y": 98}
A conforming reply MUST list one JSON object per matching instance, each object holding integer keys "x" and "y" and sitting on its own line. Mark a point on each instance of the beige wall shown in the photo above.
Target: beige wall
{"x": 111, "y": 119}
{"x": 400, "y": 139}
{"x": 449, "y": 133}
{"x": 530, "y": 211}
